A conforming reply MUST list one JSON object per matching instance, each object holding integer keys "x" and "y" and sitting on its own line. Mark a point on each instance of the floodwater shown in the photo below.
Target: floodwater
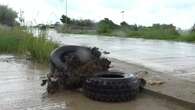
{"x": 20, "y": 90}
{"x": 177, "y": 58}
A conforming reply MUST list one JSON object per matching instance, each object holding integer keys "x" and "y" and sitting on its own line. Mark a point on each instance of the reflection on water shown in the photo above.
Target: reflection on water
{"x": 164, "y": 56}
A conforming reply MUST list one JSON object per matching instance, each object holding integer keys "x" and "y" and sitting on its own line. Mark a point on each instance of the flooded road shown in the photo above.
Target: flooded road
{"x": 177, "y": 58}
{"x": 20, "y": 90}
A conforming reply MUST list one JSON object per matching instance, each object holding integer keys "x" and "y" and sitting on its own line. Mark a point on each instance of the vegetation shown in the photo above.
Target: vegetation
{"x": 17, "y": 41}
{"x": 192, "y": 30}
{"x": 82, "y": 22}
{"x": 188, "y": 37}
{"x": 81, "y": 26}
{"x": 156, "y": 31}
{"x": 7, "y": 16}
{"x": 108, "y": 27}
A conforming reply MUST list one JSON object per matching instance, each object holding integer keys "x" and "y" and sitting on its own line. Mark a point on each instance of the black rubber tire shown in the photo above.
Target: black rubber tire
{"x": 57, "y": 64}
{"x": 57, "y": 56}
{"x": 112, "y": 87}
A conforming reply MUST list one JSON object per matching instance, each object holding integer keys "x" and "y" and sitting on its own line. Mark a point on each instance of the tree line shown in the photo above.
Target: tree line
{"x": 107, "y": 26}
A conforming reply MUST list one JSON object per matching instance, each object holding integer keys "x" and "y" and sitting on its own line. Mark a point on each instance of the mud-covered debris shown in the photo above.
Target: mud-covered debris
{"x": 77, "y": 68}
{"x": 155, "y": 82}
{"x": 106, "y": 52}
{"x": 141, "y": 74}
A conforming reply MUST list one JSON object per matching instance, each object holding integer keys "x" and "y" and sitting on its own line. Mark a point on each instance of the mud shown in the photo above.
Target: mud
{"x": 20, "y": 90}
{"x": 76, "y": 69}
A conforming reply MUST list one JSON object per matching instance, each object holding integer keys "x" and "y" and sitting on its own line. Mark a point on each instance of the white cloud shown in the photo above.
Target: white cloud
{"x": 143, "y": 12}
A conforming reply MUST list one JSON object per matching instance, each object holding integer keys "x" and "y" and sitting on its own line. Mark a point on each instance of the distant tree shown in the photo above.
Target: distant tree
{"x": 7, "y": 16}
{"x": 81, "y": 22}
{"x": 124, "y": 24}
{"x": 164, "y": 26}
{"x": 65, "y": 19}
{"x": 156, "y": 26}
{"x": 133, "y": 27}
{"x": 165, "y": 29}
{"x": 56, "y": 24}
{"x": 193, "y": 28}
{"x": 128, "y": 27}
{"x": 86, "y": 22}
{"x": 106, "y": 26}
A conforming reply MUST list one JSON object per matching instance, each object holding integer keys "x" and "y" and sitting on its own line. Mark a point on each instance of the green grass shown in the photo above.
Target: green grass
{"x": 16, "y": 41}
{"x": 162, "y": 35}
{"x": 188, "y": 37}
{"x": 154, "y": 34}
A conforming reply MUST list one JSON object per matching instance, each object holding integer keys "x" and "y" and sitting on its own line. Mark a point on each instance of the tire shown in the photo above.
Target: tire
{"x": 57, "y": 56}
{"x": 112, "y": 87}
{"x": 59, "y": 66}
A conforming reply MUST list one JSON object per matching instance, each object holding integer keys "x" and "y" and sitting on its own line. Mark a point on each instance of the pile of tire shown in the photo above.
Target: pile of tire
{"x": 70, "y": 65}
{"x": 112, "y": 87}
{"x": 75, "y": 67}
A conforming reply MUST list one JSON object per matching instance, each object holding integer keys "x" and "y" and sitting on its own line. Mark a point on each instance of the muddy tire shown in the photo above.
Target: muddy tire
{"x": 57, "y": 56}
{"x": 70, "y": 65}
{"x": 112, "y": 87}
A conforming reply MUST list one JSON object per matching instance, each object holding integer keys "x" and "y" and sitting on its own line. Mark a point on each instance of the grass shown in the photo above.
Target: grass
{"x": 157, "y": 34}
{"x": 188, "y": 37}
{"x": 164, "y": 36}
{"x": 17, "y": 41}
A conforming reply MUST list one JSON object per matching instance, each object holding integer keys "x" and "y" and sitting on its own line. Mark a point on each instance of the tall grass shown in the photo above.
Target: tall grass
{"x": 188, "y": 37}
{"x": 162, "y": 35}
{"x": 154, "y": 34}
{"x": 17, "y": 41}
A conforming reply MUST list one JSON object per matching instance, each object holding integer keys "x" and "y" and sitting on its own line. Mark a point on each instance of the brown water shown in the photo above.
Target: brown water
{"x": 20, "y": 90}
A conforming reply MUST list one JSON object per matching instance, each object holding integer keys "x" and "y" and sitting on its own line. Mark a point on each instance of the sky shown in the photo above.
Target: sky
{"x": 141, "y": 12}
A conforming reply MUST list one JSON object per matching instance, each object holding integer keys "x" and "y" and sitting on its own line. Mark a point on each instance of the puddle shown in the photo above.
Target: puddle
{"x": 20, "y": 90}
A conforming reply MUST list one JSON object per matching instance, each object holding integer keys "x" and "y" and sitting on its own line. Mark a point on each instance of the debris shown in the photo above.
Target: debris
{"x": 76, "y": 67}
{"x": 105, "y": 52}
{"x": 141, "y": 74}
{"x": 155, "y": 82}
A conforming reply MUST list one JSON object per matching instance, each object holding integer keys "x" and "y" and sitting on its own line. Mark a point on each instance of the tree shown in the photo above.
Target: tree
{"x": 7, "y": 16}
{"x": 193, "y": 28}
{"x": 124, "y": 24}
{"x": 65, "y": 19}
{"x": 106, "y": 26}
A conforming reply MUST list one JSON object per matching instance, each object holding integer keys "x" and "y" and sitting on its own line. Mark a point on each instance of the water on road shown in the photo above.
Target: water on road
{"x": 177, "y": 58}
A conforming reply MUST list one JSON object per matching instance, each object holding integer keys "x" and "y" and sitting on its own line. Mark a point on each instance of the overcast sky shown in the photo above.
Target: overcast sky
{"x": 181, "y": 13}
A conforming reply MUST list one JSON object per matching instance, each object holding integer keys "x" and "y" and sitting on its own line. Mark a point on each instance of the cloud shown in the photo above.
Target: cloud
{"x": 142, "y": 12}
